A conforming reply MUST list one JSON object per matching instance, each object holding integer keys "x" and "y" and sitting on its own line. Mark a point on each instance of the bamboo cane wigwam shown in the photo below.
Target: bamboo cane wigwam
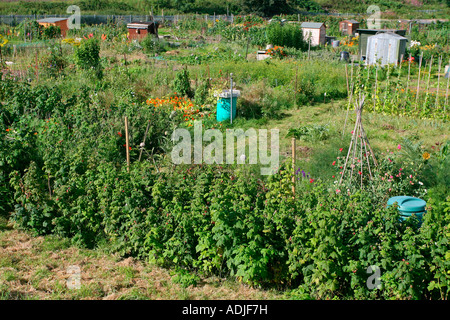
{"x": 359, "y": 142}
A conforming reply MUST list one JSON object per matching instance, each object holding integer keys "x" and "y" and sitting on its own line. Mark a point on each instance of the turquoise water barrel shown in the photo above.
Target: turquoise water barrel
{"x": 223, "y": 108}
{"x": 407, "y": 206}
{"x": 224, "y": 104}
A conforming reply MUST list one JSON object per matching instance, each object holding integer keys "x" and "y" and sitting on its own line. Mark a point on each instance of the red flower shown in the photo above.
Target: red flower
{"x": 359, "y": 172}
{"x": 119, "y": 133}
{"x": 311, "y": 180}
{"x": 334, "y": 162}
{"x": 340, "y": 149}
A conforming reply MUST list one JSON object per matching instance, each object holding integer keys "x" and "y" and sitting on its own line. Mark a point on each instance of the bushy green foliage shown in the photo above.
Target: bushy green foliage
{"x": 290, "y": 36}
{"x": 182, "y": 85}
{"x": 310, "y": 133}
{"x": 264, "y": 8}
{"x": 87, "y": 56}
{"x": 67, "y": 175}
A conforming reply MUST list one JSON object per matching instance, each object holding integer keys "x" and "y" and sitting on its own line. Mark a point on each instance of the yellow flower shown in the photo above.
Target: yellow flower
{"x": 426, "y": 156}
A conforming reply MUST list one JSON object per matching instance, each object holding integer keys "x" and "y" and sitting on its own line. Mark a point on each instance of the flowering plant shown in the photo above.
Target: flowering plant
{"x": 276, "y": 52}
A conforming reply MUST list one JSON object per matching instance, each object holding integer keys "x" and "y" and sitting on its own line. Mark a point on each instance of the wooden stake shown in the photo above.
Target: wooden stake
{"x": 127, "y": 144}
{"x": 388, "y": 87}
{"x": 418, "y": 80}
{"x": 293, "y": 166}
{"x": 346, "y": 78}
{"x": 37, "y": 70}
{"x": 246, "y": 51}
{"x": 295, "y": 93}
{"x": 398, "y": 81}
{"x": 376, "y": 87}
{"x": 428, "y": 82}
{"x": 409, "y": 71}
{"x": 439, "y": 78}
{"x": 446, "y": 90}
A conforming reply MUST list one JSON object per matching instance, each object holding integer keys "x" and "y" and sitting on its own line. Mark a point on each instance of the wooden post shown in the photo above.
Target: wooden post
{"x": 309, "y": 44}
{"x": 418, "y": 80}
{"x": 409, "y": 70}
{"x": 127, "y": 144}
{"x": 439, "y": 78}
{"x": 246, "y": 51}
{"x": 293, "y": 166}
{"x": 428, "y": 82}
{"x": 346, "y": 78}
{"x": 37, "y": 68}
{"x": 388, "y": 87}
{"x": 295, "y": 93}
{"x": 397, "y": 93}
{"x": 446, "y": 90}
{"x": 231, "y": 98}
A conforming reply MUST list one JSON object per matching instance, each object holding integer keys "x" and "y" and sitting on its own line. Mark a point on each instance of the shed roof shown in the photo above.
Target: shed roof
{"x": 51, "y": 20}
{"x": 312, "y": 25}
{"x": 378, "y": 30}
{"x": 350, "y": 21}
{"x": 140, "y": 25}
{"x": 387, "y": 35}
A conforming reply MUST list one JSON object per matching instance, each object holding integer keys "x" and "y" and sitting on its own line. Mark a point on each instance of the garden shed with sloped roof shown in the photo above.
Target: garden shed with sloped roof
{"x": 385, "y": 48}
{"x": 57, "y": 22}
{"x": 348, "y": 27}
{"x": 314, "y": 31}
{"x": 139, "y": 30}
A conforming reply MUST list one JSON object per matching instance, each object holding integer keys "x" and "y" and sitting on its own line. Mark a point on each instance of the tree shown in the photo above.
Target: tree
{"x": 265, "y": 8}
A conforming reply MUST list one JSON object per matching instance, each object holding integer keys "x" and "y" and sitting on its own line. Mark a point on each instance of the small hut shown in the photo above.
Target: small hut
{"x": 316, "y": 31}
{"x": 385, "y": 48}
{"x": 348, "y": 27}
{"x": 57, "y": 22}
{"x": 364, "y": 34}
{"x": 139, "y": 30}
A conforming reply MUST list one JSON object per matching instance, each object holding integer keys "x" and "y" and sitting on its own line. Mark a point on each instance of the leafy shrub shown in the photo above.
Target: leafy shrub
{"x": 51, "y": 32}
{"x": 181, "y": 85}
{"x": 285, "y": 36}
{"x": 54, "y": 63}
{"x": 153, "y": 45}
{"x": 87, "y": 55}
{"x": 310, "y": 133}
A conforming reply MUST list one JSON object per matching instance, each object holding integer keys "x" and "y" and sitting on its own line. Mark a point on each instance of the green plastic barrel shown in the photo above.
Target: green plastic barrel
{"x": 407, "y": 206}
{"x": 223, "y": 108}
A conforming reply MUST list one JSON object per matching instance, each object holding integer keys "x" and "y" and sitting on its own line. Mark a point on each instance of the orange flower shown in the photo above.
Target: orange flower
{"x": 8, "y": 130}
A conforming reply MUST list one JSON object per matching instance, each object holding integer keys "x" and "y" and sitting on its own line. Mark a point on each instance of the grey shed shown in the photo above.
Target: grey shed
{"x": 385, "y": 48}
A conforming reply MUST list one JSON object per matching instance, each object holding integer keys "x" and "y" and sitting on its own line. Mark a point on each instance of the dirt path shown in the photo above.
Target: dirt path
{"x": 37, "y": 268}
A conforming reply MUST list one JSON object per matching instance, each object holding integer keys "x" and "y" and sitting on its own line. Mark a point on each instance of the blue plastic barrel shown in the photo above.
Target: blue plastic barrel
{"x": 223, "y": 108}
{"x": 407, "y": 206}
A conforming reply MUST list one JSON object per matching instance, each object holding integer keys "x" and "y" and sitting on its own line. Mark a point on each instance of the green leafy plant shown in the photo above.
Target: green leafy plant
{"x": 181, "y": 85}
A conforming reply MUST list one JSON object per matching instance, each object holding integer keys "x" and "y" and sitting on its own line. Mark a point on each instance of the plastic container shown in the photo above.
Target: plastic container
{"x": 224, "y": 105}
{"x": 407, "y": 206}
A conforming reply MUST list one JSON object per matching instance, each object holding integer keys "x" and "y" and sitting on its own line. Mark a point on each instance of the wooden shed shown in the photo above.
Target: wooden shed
{"x": 139, "y": 30}
{"x": 57, "y": 22}
{"x": 348, "y": 27}
{"x": 315, "y": 30}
